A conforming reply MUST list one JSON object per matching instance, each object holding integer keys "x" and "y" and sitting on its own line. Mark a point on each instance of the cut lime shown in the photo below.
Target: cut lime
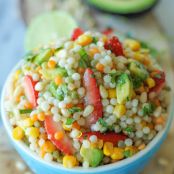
{"x": 49, "y": 27}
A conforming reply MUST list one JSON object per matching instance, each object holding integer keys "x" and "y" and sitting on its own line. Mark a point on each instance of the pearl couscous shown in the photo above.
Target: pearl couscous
{"x": 87, "y": 101}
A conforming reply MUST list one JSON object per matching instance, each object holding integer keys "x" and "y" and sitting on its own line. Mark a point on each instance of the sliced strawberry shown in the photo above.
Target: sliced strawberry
{"x": 92, "y": 97}
{"x": 30, "y": 92}
{"x": 115, "y": 46}
{"x": 108, "y": 31}
{"x": 65, "y": 144}
{"x": 106, "y": 137}
{"x": 159, "y": 78}
{"x": 76, "y": 33}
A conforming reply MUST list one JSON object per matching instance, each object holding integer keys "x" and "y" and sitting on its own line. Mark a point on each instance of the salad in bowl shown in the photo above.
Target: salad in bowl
{"x": 89, "y": 100}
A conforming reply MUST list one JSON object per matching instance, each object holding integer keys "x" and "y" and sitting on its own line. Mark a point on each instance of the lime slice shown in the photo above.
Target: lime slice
{"x": 49, "y": 27}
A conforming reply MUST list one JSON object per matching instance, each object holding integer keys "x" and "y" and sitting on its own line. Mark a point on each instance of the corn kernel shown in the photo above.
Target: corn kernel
{"x": 34, "y": 117}
{"x": 51, "y": 64}
{"x": 18, "y": 133}
{"x": 100, "y": 143}
{"x": 108, "y": 148}
{"x": 104, "y": 38}
{"x": 100, "y": 67}
{"x": 93, "y": 51}
{"x": 69, "y": 161}
{"x": 75, "y": 125}
{"x": 58, "y": 135}
{"x": 28, "y": 105}
{"x": 17, "y": 73}
{"x": 94, "y": 145}
{"x": 117, "y": 154}
{"x": 150, "y": 82}
{"x": 141, "y": 147}
{"x": 58, "y": 80}
{"x": 34, "y": 132}
{"x": 112, "y": 93}
{"x": 67, "y": 127}
{"x": 132, "y": 149}
{"x": 27, "y": 123}
{"x": 133, "y": 44}
{"x": 119, "y": 110}
{"x": 48, "y": 147}
{"x": 41, "y": 116}
{"x": 84, "y": 40}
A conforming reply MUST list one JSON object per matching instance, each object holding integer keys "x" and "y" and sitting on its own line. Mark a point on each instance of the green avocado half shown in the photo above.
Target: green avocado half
{"x": 123, "y": 6}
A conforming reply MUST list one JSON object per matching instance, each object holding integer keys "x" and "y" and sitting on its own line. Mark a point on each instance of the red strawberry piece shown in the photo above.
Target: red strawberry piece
{"x": 65, "y": 144}
{"x": 159, "y": 78}
{"x": 76, "y": 33}
{"x": 106, "y": 137}
{"x": 92, "y": 97}
{"x": 108, "y": 31}
{"x": 30, "y": 92}
{"x": 115, "y": 46}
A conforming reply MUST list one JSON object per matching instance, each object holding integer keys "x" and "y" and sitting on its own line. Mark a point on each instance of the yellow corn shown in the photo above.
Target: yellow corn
{"x": 117, "y": 154}
{"x": 18, "y": 133}
{"x": 58, "y": 80}
{"x": 67, "y": 127}
{"x": 17, "y": 73}
{"x": 150, "y": 82}
{"x": 119, "y": 110}
{"x": 48, "y": 147}
{"x": 84, "y": 40}
{"x": 41, "y": 116}
{"x": 133, "y": 44}
{"x": 100, "y": 143}
{"x": 34, "y": 132}
{"x": 93, "y": 51}
{"x": 112, "y": 93}
{"x": 108, "y": 148}
{"x": 58, "y": 135}
{"x": 141, "y": 147}
{"x": 51, "y": 64}
{"x": 132, "y": 149}
{"x": 27, "y": 123}
{"x": 69, "y": 161}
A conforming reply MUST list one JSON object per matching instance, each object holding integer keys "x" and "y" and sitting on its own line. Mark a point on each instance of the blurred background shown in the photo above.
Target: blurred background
{"x": 156, "y": 26}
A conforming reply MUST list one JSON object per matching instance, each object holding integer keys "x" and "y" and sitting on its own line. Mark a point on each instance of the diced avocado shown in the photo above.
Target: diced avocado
{"x": 138, "y": 69}
{"x": 53, "y": 89}
{"x": 124, "y": 88}
{"x": 50, "y": 74}
{"x": 58, "y": 92}
{"x": 93, "y": 155}
{"x": 43, "y": 56}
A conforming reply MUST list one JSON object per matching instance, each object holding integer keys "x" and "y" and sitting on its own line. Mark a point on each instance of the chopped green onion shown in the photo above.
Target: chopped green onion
{"x": 102, "y": 122}
{"x": 25, "y": 111}
{"x": 69, "y": 121}
{"x": 74, "y": 109}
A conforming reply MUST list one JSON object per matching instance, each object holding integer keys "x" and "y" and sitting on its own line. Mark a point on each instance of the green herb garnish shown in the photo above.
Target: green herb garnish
{"x": 148, "y": 108}
{"x": 102, "y": 122}
{"x": 129, "y": 130}
{"x": 128, "y": 153}
{"x": 74, "y": 109}
{"x": 25, "y": 111}
{"x": 137, "y": 82}
{"x": 95, "y": 40}
{"x": 69, "y": 121}
{"x": 84, "y": 59}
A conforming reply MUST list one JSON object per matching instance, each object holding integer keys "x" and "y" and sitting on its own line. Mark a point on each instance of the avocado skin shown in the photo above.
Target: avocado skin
{"x": 129, "y": 15}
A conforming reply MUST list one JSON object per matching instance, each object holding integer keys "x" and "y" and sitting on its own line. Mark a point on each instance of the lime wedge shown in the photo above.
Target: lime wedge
{"x": 48, "y": 27}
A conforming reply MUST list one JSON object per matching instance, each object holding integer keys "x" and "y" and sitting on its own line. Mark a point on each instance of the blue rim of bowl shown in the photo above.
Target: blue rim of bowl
{"x": 108, "y": 167}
